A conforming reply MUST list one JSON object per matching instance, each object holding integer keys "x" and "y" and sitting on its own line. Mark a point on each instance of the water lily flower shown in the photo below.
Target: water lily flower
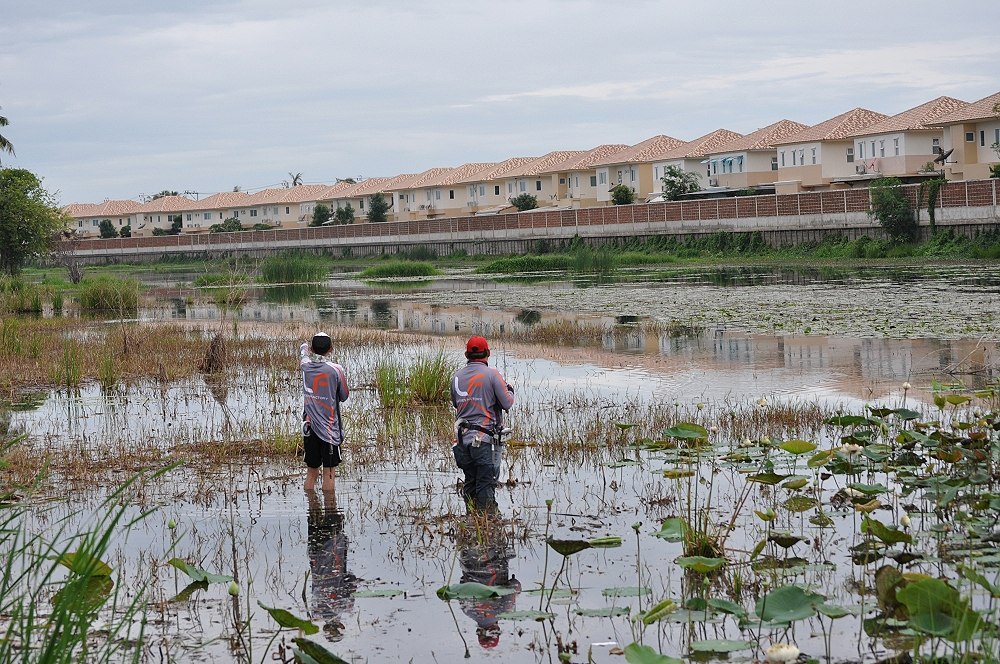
{"x": 906, "y": 386}
{"x": 904, "y": 521}
{"x": 781, "y": 653}
{"x": 851, "y": 449}
{"x": 234, "y": 589}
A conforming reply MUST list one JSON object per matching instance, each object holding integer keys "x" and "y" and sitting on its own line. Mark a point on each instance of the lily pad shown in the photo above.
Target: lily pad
{"x": 288, "y": 620}
{"x": 568, "y": 547}
{"x": 672, "y": 529}
{"x": 526, "y": 614}
{"x": 787, "y": 604}
{"x": 701, "y": 564}
{"x": 310, "y": 652}
{"x": 605, "y": 612}
{"x": 472, "y": 590}
{"x": 797, "y": 447}
{"x": 720, "y": 645}
{"x": 638, "y": 654}
{"x": 625, "y": 591}
{"x": 686, "y": 430}
{"x": 198, "y": 574}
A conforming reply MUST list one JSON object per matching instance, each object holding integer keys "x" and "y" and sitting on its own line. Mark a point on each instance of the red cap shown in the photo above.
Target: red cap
{"x": 477, "y": 345}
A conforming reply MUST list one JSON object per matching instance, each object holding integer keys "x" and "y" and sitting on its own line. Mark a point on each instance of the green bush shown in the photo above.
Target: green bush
{"x": 525, "y": 264}
{"x": 891, "y": 208}
{"x": 524, "y": 202}
{"x": 622, "y": 195}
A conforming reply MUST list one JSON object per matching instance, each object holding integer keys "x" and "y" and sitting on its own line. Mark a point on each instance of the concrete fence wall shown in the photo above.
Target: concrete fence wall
{"x": 965, "y": 206}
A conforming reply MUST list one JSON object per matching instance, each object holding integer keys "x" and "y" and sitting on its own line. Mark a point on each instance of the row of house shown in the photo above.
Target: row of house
{"x": 944, "y": 135}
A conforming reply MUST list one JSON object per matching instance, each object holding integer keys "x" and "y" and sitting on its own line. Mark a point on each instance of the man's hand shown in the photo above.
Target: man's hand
{"x": 510, "y": 389}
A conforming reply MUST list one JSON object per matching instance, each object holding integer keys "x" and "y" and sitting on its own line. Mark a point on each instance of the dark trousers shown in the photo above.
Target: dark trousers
{"x": 481, "y": 466}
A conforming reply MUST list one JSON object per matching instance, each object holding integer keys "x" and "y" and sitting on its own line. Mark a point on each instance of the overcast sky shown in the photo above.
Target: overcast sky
{"x": 115, "y": 99}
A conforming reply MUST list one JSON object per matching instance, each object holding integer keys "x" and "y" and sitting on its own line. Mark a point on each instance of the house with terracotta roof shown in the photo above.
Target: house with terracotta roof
{"x": 751, "y": 160}
{"x": 161, "y": 213}
{"x": 633, "y": 168}
{"x": 87, "y": 217}
{"x": 905, "y": 143}
{"x": 541, "y": 178}
{"x": 214, "y": 209}
{"x": 359, "y": 196}
{"x": 486, "y": 188}
{"x": 447, "y": 194}
{"x": 421, "y": 201}
{"x": 580, "y": 174}
{"x": 973, "y": 133}
{"x": 691, "y": 157}
{"x": 813, "y": 157}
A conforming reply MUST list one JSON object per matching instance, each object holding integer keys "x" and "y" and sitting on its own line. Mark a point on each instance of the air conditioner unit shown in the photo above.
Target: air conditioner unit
{"x": 860, "y": 169}
{"x": 713, "y": 182}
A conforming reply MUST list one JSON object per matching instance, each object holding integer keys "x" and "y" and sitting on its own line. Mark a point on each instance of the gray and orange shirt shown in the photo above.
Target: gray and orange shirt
{"x": 480, "y": 395}
{"x": 324, "y": 387}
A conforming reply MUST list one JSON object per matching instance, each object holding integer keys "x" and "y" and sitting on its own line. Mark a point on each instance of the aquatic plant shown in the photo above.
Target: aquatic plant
{"x": 109, "y": 295}
{"x": 400, "y": 269}
{"x": 293, "y": 267}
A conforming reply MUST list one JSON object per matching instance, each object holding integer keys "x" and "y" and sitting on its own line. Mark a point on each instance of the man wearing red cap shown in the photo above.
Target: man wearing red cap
{"x": 480, "y": 395}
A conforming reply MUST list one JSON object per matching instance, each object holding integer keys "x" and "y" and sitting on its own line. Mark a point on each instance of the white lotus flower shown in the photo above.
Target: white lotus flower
{"x": 782, "y": 653}
{"x": 904, "y": 521}
{"x": 714, "y": 429}
{"x": 851, "y": 449}
{"x": 906, "y": 386}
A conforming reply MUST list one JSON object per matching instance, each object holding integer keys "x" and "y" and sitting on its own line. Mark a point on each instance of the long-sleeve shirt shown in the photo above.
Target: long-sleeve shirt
{"x": 324, "y": 388}
{"x": 480, "y": 395}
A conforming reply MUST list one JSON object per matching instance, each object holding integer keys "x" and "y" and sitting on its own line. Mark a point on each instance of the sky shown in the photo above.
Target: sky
{"x": 110, "y": 99}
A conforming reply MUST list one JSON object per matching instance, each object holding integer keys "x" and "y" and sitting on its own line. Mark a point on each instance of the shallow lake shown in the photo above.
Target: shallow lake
{"x": 755, "y": 356}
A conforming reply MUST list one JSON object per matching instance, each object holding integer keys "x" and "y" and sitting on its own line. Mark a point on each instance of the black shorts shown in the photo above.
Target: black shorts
{"x": 319, "y": 452}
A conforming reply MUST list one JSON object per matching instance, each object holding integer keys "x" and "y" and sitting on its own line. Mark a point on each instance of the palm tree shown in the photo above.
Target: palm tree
{"x": 5, "y": 145}
{"x": 296, "y": 178}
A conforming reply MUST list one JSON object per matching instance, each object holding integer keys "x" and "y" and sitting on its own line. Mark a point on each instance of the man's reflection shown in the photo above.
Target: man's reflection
{"x": 332, "y": 585}
{"x": 483, "y": 553}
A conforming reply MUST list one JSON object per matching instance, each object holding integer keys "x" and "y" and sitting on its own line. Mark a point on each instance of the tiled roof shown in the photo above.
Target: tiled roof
{"x": 836, "y": 128}
{"x": 304, "y": 193}
{"x": 918, "y": 118}
{"x": 544, "y": 163}
{"x": 335, "y": 191}
{"x": 700, "y": 146}
{"x": 168, "y": 204}
{"x": 591, "y": 158}
{"x": 420, "y": 179}
{"x": 366, "y": 188}
{"x": 640, "y": 153}
{"x": 116, "y": 208}
{"x": 502, "y": 169}
{"x": 458, "y": 175}
{"x": 225, "y": 200}
{"x": 762, "y": 139}
{"x": 984, "y": 109}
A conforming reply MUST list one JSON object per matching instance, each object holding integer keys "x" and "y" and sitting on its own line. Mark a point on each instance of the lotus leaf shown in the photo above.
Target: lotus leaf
{"x": 701, "y": 564}
{"x": 787, "y": 604}
{"x": 287, "y": 619}
{"x": 638, "y": 654}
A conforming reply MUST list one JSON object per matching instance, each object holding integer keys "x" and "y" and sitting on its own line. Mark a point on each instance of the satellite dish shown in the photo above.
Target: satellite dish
{"x": 944, "y": 155}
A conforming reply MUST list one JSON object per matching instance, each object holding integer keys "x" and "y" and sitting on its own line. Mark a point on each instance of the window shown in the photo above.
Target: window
{"x": 79, "y": 224}
{"x": 576, "y": 182}
{"x": 782, "y": 157}
{"x": 496, "y": 190}
{"x": 482, "y": 190}
{"x": 996, "y": 135}
{"x": 619, "y": 177}
{"x": 189, "y": 216}
{"x": 286, "y": 210}
{"x": 538, "y": 185}
{"x": 861, "y": 150}
{"x": 802, "y": 157}
{"x": 451, "y": 194}
{"x": 361, "y": 204}
{"x": 437, "y": 194}
{"x": 982, "y": 137}
{"x": 522, "y": 186}
{"x": 881, "y": 148}
{"x": 814, "y": 155}
{"x": 873, "y": 148}
{"x": 428, "y": 195}
{"x": 510, "y": 188}
{"x": 936, "y": 146}
{"x": 656, "y": 177}
{"x": 207, "y": 216}
{"x": 632, "y": 175}
{"x": 602, "y": 177}
{"x": 562, "y": 180}
{"x": 593, "y": 180}
{"x": 402, "y": 197}
{"x": 253, "y": 213}
{"x": 970, "y": 137}
{"x": 774, "y": 163}
{"x": 793, "y": 158}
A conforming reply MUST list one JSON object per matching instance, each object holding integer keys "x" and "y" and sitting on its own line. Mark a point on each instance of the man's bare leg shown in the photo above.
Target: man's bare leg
{"x": 311, "y": 475}
{"x": 329, "y": 477}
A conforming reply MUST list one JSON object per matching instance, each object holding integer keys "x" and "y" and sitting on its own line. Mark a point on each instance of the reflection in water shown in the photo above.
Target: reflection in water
{"x": 483, "y": 553}
{"x": 332, "y": 585}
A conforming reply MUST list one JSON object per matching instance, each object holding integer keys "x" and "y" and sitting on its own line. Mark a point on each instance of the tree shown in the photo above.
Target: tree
{"x": 29, "y": 219}
{"x": 107, "y": 229}
{"x": 295, "y": 181}
{"x": 231, "y": 225}
{"x": 344, "y": 215}
{"x": 524, "y": 202}
{"x": 176, "y": 224}
{"x": 892, "y": 209}
{"x": 165, "y": 193}
{"x": 125, "y": 231}
{"x": 5, "y": 145}
{"x": 321, "y": 214}
{"x": 377, "y": 207}
{"x": 622, "y": 195}
{"x": 677, "y": 182}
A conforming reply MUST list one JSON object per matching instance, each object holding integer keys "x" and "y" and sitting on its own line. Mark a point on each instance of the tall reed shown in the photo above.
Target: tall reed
{"x": 294, "y": 267}
{"x": 109, "y": 294}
